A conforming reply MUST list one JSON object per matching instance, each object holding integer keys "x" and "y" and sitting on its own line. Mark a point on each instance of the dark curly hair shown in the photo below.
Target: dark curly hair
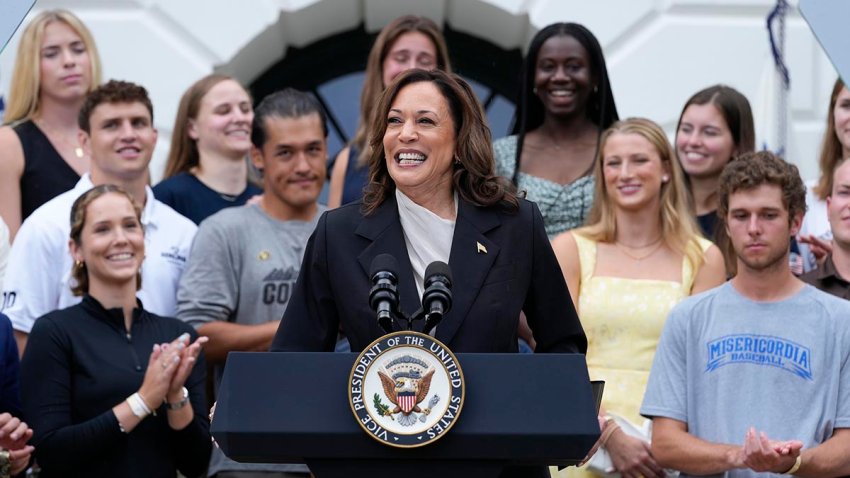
{"x": 113, "y": 91}
{"x": 752, "y": 170}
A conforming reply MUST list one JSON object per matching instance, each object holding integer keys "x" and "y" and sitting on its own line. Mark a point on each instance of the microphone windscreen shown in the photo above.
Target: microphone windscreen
{"x": 383, "y": 262}
{"x": 438, "y": 268}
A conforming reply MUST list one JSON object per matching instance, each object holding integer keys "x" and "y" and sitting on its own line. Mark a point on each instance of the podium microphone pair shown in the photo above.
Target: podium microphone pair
{"x": 383, "y": 297}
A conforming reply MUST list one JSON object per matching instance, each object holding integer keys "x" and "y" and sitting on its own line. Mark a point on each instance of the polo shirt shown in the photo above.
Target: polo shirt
{"x": 827, "y": 279}
{"x": 38, "y": 278}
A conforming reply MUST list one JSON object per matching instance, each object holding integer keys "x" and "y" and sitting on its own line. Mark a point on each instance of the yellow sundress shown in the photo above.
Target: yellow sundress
{"x": 623, "y": 319}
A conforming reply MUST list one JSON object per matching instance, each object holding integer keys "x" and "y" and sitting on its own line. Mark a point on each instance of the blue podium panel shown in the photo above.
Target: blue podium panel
{"x": 12, "y": 13}
{"x": 518, "y": 410}
{"x": 828, "y": 21}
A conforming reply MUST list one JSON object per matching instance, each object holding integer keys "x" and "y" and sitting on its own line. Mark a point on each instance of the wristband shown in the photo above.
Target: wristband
{"x": 138, "y": 406}
{"x": 144, "y": 403}
{"x": 610, "y": 427}
{"x": 182, "y": 403}
{"x": 796, "y": 466}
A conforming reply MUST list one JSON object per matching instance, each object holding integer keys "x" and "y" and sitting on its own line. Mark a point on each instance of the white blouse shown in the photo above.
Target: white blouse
{"x": 428, "y": 237}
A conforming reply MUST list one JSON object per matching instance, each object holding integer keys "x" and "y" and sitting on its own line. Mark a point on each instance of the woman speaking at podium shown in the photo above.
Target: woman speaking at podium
{"x": 433, "y": 196}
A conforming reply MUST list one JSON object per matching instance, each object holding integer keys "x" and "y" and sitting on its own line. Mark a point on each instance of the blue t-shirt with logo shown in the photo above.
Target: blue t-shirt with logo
{"x": 726, "y": 363}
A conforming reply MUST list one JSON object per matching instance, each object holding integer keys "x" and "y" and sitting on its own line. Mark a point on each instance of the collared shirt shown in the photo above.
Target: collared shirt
{"x": 827, "y": 279}
{"x": 38, "y": 279}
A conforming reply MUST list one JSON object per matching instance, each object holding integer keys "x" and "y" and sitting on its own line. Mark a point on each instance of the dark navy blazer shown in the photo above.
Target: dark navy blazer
{"x": 517, "y": 272}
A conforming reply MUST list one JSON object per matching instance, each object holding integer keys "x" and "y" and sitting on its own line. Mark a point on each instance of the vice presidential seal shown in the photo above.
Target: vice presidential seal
{"x": 406, "y": 389}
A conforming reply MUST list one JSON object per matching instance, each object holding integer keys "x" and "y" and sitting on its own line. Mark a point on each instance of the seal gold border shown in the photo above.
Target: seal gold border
{"x": 374, "y": 361}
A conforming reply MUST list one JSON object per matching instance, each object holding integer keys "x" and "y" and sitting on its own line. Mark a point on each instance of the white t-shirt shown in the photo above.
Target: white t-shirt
{"x": 816, "y": 223}
{"x": 39, "y": 273}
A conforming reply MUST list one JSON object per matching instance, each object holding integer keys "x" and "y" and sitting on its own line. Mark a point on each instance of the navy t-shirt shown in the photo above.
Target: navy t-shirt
{"x": 190, "y": 197}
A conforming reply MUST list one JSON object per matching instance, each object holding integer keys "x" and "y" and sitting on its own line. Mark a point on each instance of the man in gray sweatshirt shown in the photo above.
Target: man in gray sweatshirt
{"x": 245, "y": 260}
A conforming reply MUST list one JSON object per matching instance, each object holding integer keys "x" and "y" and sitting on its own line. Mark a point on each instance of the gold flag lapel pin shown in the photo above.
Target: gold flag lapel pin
{"x": 481, "y": 248}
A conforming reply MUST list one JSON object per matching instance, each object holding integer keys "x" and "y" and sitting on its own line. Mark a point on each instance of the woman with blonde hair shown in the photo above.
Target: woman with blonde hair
{"x": 57, "y": 65}
{"x": 407, "y": 42}
{"x": 207, "y": 167}
{"x": 639, "y": 255}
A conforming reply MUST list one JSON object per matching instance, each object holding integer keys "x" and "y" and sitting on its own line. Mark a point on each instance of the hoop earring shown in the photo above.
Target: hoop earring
{"x": 534, "y": 90}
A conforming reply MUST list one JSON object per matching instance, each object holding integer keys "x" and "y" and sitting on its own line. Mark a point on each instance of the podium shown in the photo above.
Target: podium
{"x": 520, "y": 409}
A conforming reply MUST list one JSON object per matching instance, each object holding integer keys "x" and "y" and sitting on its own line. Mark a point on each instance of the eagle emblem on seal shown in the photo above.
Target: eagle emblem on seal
{"x": 406, "y": 381}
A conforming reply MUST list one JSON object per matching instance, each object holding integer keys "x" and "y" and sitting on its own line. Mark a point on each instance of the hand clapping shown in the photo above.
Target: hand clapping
{"x": 188, "y": 356}
{"x": 761, "y": 454}
{"x": 14, "y": 435}
{"x": 169, "y": 366}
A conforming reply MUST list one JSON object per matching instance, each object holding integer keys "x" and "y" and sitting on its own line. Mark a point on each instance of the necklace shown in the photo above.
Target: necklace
{"x": 552, "y": 143}
{"x": 625, "y": 249}
{"x": 54, "y": 136}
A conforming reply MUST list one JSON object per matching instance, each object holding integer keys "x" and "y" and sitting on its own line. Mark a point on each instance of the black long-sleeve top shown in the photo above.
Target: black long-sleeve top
{"x": 79, "y": 363}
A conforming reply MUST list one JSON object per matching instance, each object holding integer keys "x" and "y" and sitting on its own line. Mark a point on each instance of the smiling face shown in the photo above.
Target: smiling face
{"x": 65, "y": 67}
{"x": 841, "y": 120}
{"x": 120, "y": 142}
{"x": 410, "y": 50}
{"x": 704, "y": 143}
{"x": 293, "y": 160}
{"x": 759, "y": 228}
{"x": 419, "y": 141}
{"x": 111, "y": 243}
{"x": 838, "y": 205}
{"x": 633, "y": 171}
{"x": 562, "y": 76}
{"x": 223, "y": 124}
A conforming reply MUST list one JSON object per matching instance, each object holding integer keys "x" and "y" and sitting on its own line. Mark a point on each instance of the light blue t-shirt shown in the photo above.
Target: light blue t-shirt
{"x": 726, "y": 363}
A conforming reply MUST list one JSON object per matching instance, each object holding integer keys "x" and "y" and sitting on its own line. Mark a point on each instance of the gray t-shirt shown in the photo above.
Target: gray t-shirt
{"x": 726, "y": 363}
{"x": 244, "y": 272}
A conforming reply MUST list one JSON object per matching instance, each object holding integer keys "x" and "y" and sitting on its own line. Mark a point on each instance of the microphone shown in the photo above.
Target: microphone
{"x": 383, "y": 297}
{"x": 437, "y": 297}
